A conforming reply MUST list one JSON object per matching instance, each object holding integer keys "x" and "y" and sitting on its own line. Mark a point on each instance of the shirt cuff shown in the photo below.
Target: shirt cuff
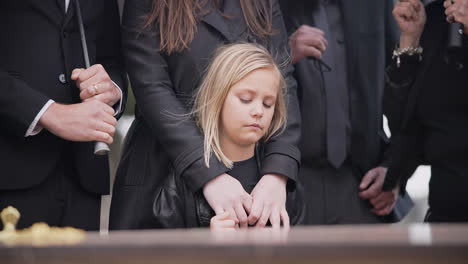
{"x": 119, "y": 108}
{"x": 35, "y": 129}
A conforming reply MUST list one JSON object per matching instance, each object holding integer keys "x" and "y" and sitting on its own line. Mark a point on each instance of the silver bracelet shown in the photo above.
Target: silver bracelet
{"x": 411, "y": 51}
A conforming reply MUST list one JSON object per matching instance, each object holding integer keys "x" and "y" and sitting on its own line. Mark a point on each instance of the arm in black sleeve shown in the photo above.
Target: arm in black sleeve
{"x": 109, "y": 49}
{"x": 398, "y": 82}
{"x": 399, "y": 155}
{"x": 402, "y": 156}
{"x": 19, "y": 104}
{"x": 156, "y": 100}
{"x": 406, "y": 152}
{"x": 282, "y": 155}
{"x": 391, "y": 38}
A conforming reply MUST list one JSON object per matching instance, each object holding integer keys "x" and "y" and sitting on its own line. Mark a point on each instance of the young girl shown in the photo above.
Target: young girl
{"x": 239, "y": 106}
{"x": 167, "y": 46}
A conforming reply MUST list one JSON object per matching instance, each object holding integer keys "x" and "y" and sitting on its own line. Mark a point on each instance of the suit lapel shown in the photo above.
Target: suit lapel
{"x": 71, "y": 11}
{"x": 50, "y": 9}
{"x": 216, "y": 21}
{"x": 61, "y": 4}
{"x": 235, "y": 22}
{"x": 352, "y": 17}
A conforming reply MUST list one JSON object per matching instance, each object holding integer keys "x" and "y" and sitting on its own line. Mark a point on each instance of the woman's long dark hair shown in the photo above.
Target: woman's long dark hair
{"x": 177, "y": 20}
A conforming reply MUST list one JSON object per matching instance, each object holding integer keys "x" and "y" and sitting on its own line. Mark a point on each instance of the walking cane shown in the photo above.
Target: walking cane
{"x": 100, "y": 148}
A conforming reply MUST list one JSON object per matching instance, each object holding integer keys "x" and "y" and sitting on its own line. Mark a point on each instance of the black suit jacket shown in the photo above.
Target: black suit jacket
{"x": 370, "y": 36}
{"x": 164, "y": 87}
{"x": 39, "y": 43}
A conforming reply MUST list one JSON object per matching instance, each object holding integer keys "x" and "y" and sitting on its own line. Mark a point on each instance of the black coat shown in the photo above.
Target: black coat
{"x": 368, "y": 49}
{"x": 164, "y": 86}
{"x": 405, "y": 86}
{"x": 39, "y": 47}
{"x": 175, "y": 206}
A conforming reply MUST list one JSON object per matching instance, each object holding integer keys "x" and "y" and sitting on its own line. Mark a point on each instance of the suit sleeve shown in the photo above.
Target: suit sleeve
{"x": 391, "y": 39}
{"x": 19, "y": 104}
{"x": 282, "y": 155}
{"x": 157, "y": 102}
{"x": 109, "y": 49}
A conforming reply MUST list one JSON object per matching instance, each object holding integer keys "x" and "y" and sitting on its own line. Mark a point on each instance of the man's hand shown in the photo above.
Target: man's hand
{"x": 411, "y": 18}
{"x": 307, "y": 42}
{"x": 269, "y": 202}
{"x": 87, "y": 121}
{"x": 226, "y": 194}
{"x": 95, "y": 83}
{"x": 457, "y": 12}
{"x": 371, "y": 189}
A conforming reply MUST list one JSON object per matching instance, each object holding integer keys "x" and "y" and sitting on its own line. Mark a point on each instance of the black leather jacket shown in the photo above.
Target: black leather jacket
{"x": 175, "y": 206}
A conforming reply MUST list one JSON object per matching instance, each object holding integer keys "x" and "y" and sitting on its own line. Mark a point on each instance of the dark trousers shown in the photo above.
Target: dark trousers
{"x": 59, "y": 201}
{"x": 332, "y": 197}
{"x": 448, "y": 199}
{"x": 434, "y": 217}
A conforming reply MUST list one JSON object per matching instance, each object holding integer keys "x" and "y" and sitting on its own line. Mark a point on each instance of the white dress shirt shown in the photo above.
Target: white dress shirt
{"x": 34, "y": 129}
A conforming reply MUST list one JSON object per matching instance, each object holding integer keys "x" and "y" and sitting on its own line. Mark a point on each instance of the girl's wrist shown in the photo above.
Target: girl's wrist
{"x": 278, "y": 177}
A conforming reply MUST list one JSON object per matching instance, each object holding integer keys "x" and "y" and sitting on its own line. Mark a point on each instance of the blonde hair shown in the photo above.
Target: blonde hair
{"x": 231, "y": 64}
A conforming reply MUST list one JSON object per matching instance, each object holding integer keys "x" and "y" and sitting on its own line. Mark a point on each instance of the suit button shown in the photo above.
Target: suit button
{"x": 64, "y": 34}
{"x": 62, "y": 78}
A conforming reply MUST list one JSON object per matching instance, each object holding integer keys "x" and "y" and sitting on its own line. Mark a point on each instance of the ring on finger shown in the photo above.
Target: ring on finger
{"x": 450, "y": 19}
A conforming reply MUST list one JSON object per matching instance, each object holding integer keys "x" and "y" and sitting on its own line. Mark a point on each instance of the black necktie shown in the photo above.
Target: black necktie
{"x": 335, "y": 118}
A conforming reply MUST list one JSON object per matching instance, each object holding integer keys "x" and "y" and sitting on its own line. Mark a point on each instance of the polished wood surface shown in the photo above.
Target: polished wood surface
{"x": 319, "y": 244}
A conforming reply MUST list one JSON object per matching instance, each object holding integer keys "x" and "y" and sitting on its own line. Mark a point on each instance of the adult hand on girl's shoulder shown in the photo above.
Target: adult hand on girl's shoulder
{"x": 226, "y": 194}
{"x": 269, "y": 202}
